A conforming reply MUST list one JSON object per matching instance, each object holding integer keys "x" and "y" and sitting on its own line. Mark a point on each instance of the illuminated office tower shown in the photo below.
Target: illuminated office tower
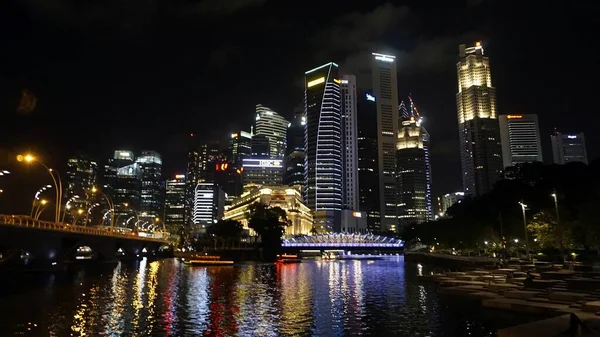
{"x": 368, "y": 176}
{"x": 448, "y": 200}
{"x": 209, "y": 153}
{"x": 520, "y": 136}
{"x": 414, "y": 170}
{"x": 240, "y": 146}
{"x": 349, "y": 144}
{"x": 294, "y": 160}
{"x": 175, "y": 192}
{"x": 150, "y": 165}
{"x": 323, "y": 144}
{"x": 479, "y": 135}
{"x": 81, "y": 176}
{"x": 568, "y": 148}
{"x": 123, "y": 182}
{"x": 209, "y": 204}
{"x": 192, "y": 178}
{"x": 385, "y": 94}
{"x": 270, "y": 124}
{"x": 268, "y": 172}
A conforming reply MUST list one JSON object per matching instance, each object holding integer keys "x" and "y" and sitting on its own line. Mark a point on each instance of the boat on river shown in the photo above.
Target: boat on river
{"x": 285, "y": 259}
{"x": 207, "y": 260}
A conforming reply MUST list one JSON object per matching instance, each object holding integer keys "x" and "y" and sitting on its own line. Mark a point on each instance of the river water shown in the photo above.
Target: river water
{"x": 168, "y": 298}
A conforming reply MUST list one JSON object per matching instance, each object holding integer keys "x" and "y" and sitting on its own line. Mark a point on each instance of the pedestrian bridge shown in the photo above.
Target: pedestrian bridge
{"x": 344, "y": 241}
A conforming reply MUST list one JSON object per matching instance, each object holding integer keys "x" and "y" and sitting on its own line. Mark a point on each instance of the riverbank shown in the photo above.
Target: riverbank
{"x": 546, "y": 290}
{"x": 452, "y": 261}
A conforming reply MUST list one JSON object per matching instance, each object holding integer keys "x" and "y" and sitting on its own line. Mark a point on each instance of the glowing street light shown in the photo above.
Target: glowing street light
{"x": 29, "y": 158}
{"x": 111, "y": 205}
{"x": 40, "y": 209}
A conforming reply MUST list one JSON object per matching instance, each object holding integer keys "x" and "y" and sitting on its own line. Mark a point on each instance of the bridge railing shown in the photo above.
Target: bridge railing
{"x": 27, "y": 221}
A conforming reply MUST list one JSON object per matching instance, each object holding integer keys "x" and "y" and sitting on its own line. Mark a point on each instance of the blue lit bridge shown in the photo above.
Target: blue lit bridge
{"x": 355, "y": 243}
{"x": 23, "y": 238}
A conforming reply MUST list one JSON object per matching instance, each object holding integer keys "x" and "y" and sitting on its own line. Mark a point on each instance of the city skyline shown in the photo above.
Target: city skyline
{"x": 509, "y": 77}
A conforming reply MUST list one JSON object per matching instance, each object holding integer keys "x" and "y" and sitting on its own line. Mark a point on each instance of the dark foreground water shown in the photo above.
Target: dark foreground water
{"x": 167, "y": 298}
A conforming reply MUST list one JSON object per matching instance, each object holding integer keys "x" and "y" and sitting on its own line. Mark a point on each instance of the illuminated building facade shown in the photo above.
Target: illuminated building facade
{"x": 568, "y": 148}
{"x": 447, "y": 200}
{"x": 414, "y": 171}
{"x": 81, "y": 176}
{"x": 368, "y": 168}
{"x": 479, "y": 135}
{"x": 240, "y": 146}
{"x": 520, "y": 136}
{"x": 209, "y": 153}
{"x": 385, "y": 96}
{"x": 270, "y": 124}
{"x": 294, "y": 160}
{"x": 260, "y": 146}
{"x": 123, "y": 180}
{"x": 175, "y": 206}
{"x": 349, "y": 144}
{"x": 192, "y": 178}
{"x": 150, "y": 166}
{"x": 262, "y": 171}
{"x": 209, "y": 204}
{"x": 287, "y": 198}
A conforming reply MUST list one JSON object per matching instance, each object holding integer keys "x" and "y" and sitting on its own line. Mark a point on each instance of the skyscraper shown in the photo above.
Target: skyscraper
{"x": 568, "y": 148}
{"x": 175, "y": 192}
{"x": 447, "y": 200}
{"x": 209, "y": 153}
{"x": 323, "y": 143}
{"x": 240, "y": 146}
{"x": 268, "y": 172}
{"x": 520, "y": 136}
{"x": 209, "y": 203}
{"x": 480, "y": 148}
{"x": 294, "y": 160}
{"x": 82, "y": 173}
{"x": 150, "y": 164}
{"x": 192, "y": 178}
{"x": 385, "y": 94}
{"x": 123, "y": 181}
{"x": 414, "y": 170}
{"x": 349, "y": 144}
{"x": 274, "y": 127}
{"x": 260, "y": 146}
{"x": 368, "y": 168}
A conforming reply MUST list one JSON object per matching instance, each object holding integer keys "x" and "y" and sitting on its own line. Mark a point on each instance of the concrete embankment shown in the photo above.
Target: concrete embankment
{"x": 451, "y": 261}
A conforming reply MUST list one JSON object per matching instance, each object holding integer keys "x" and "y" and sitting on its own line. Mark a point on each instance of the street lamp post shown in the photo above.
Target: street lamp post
{"x": 28, "y": 158}
{"x": 40, "y": 209}
{"x": 555, "y": 197}
{"x": 79, "y": 213}
{"x": 523, "y": 207}
{"x": 36, "y": 198}
{"x": 111, "y": 205}
{"x": 89, "y": 211}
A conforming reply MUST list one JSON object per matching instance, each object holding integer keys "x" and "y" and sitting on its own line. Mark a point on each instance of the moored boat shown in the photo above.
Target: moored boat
{"x": 288, "y": 258}
{"x": 207, "y": 260}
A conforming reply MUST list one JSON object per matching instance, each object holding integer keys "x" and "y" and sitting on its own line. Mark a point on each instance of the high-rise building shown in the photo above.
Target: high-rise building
{"x": 385, "y": 95}
{"x": 520, "y": 136}
{"x": 272, "y": 125}
{"x": 123, "y": 180}
{"x": 262, "y": 171}
{"x": 260, "y": 146}
{"x": 323, "y": 144}
{"x": 209, "y": 152}
{"x": 209, "y": 204}
{"x": 350, "y": 198}
{"x": 150, "y": 165}
{"x": 175, "y": 192}
{"x": 82, "y": 173}
{"x": 568, "y": 148}
{"x": 192, "y": 178}
{"x": 447, "y": 200}
{"x": 479, "y": 134}
{"x": 414, "y": 170}
{"x": 368, "y": 168}
{"x": 294, "y": 160}
{"x": 240, "y": 146}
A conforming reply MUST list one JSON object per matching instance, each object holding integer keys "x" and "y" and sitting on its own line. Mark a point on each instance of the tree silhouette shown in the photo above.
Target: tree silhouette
{"x": 269, "y": 223}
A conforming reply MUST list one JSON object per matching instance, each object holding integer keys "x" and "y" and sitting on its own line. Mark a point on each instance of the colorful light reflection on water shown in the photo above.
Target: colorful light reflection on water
{"x": 167, "y": 298}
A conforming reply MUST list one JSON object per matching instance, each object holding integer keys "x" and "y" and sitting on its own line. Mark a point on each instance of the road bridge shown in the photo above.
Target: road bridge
{"x": 356, "y": 243}
{"x": 22, "y": 237}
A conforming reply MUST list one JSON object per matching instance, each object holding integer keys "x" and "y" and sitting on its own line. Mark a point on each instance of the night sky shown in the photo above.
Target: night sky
{"x": 145, "y": 74}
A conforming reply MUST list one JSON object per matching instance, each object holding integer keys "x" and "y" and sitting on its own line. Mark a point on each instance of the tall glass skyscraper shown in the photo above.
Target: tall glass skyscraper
{"x": 349, "y": 143}
{"x": 480, "y": 148}
{"x": 520, "y": 136}
{"x": 568, "y": 148}
{"x": 270, "y": 124}
{"x": 414, "y": 170}
{"x": 323, "y": 143}
{"x": 385, "y": 96}
{"x": 175, "y": 192}
{"x": 368, "y": 172}
{"x": 150, "y": 164}
{"x": 294, "y": 160}
{"x": 123, "y": 181}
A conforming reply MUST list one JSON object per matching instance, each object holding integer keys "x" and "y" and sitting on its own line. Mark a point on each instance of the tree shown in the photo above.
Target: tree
{"x": 550, "y": 233}
{"x": 226, "y": 230}
{"x": 269, "y": 223}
